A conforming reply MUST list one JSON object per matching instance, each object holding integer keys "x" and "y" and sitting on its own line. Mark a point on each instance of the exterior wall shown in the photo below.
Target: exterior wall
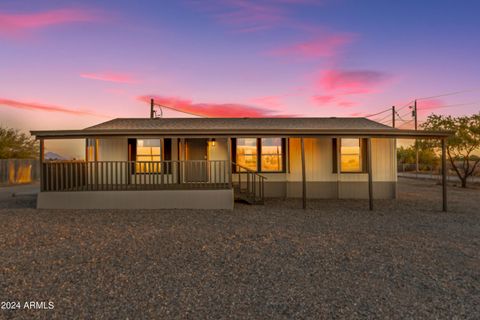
{"x": 145, "y": 199}
{"x": 321, "y": 181}
{"x": 219, "y": 151}
{"x": 113, "y": 149}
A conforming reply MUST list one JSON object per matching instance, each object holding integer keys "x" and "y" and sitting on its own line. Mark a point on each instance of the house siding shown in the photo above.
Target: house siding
{"x": 322, "y": 182}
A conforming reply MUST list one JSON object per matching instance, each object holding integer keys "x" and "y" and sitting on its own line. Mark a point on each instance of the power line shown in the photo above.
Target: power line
{"x": 371, "y": 115}
{"x": 448, "y": 106}
{"x": 450, "y": 93}
{"x": 387, "y": 116}
{"x": 182, "y": 111}
{"x": 408, "y": 104}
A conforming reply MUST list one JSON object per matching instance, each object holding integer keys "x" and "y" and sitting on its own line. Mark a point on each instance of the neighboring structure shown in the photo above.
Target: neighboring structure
{"x": 208, "y": 162}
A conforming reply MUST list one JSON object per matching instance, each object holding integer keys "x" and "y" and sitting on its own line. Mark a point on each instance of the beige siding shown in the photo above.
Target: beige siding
{"x": 318, "y": 159}
{"x": 113, "y": 149}
{"x": 219, "y": 151}
{"x": 384, "y": 160}
{"x": 319, "y": 166}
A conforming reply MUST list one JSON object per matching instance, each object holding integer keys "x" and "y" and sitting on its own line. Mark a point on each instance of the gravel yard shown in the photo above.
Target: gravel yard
{"x": 406, "y": 259}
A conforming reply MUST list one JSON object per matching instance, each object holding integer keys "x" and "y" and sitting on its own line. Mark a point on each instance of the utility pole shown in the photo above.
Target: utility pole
{"x": 416, "y": 128}
{"x": 415, "y": 114}
{"x": 152, "y": 104}
{"x": 393, "y": 116}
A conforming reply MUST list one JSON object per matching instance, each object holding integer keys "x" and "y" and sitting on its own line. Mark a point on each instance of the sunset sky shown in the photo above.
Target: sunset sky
{"x": 71, "y": 64}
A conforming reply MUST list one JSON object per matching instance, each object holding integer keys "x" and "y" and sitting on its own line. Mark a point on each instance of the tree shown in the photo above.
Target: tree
{"x": 427, "y": 157}
{"x": 460, "y": 146}
{"x": 17, "y": 145}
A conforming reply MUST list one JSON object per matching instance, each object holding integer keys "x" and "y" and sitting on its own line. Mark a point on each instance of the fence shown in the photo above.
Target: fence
{"x": 433, "y": 172}
{"x": 18, "y": 171}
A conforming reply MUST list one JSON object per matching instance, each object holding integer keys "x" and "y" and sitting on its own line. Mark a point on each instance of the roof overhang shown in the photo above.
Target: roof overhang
{"x": 374, "y": 133}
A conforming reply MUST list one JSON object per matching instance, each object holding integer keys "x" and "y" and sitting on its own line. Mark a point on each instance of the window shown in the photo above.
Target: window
{"x": 271, "y": 150}
{"x": 351, "y": 155}
{"x": 246, "y": 153}
{"x": 272, "y": 154}
{"x": 148, "y": 150}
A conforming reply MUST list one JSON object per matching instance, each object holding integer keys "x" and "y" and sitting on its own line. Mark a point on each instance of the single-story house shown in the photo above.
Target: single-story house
{"x": 211, "y": 162}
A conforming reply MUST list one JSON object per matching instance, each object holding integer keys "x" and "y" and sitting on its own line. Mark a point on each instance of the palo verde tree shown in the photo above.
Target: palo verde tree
{"x": 17, "y": 145}
{"x": 462, "y": 144}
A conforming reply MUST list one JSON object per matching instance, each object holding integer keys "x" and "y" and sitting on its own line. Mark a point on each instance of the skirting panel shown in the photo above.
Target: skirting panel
{"x": 332, "y": 190}
{"x": 152, "y": 199}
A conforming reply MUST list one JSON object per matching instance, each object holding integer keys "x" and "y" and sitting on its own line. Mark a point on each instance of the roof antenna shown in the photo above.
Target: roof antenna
{"x": 152, "y": 104}
{"x": 153, "y": 113}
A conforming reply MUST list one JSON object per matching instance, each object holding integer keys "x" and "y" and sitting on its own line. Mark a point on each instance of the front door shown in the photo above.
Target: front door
{"x": 196, "y": 156}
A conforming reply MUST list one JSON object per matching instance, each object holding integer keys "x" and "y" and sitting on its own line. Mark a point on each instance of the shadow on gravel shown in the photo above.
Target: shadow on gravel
{"x": 19, "y": 201}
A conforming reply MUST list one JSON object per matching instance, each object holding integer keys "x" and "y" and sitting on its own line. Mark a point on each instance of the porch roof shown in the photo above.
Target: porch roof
{"x": 240, "y": 127}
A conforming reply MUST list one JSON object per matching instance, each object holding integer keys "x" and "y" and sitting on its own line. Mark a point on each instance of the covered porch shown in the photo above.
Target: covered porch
{"x": 208, "y": 156}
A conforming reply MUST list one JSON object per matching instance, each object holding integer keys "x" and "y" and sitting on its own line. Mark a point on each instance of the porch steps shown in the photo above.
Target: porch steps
{"x": 245, "y": 196}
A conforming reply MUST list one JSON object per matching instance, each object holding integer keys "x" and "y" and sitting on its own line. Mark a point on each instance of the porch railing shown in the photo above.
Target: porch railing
{"x": 248, "y": 184}
{"x": 134, "y": 175}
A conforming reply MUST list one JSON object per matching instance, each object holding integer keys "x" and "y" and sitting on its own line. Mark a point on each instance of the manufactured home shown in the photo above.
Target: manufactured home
{"x": 208, "y": 163}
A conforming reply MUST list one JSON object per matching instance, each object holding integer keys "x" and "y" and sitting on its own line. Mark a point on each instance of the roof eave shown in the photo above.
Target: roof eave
{"x": 392, "y": 133}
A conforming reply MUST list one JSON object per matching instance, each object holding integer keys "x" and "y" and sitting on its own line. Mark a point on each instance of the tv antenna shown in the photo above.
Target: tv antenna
{"x": 153, "y": 112}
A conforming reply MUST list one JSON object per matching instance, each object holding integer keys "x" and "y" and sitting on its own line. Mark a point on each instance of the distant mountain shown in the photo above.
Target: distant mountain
{"x": 53, "y": 156}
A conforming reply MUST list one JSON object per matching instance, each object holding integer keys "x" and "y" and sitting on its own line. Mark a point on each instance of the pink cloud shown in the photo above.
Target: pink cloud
{"x": 250, "y": 15}
{"x": 336, "y": 85}
{"x": 346, "y": 104}
{"x": 351, "y": 81}
{"x": 221, "y": 110}
{"x": 272, "y": 102}
{"x": 430, "y": 104}
{"x": 357, "y": 114}
{"x": 110, "y": 77}
{"x": 16, "y": 24}
{"x": 45, "y": 107}
{"x": 325, "y": 46}
{"x": 323, "y": 99}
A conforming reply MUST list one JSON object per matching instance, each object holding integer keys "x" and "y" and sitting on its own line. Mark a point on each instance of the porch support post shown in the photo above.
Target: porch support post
{"x": 229, "y": 162}
{"x": 42, "y": 158}
{"x": 369, "y": 168}
{"x": 444, "y": 175}
{"x": 304, "y": 181}
{"x": 338, "y": 164}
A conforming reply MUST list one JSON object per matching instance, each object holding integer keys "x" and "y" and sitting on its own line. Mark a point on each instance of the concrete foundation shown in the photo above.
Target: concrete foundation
{"x": 151, "y": 199}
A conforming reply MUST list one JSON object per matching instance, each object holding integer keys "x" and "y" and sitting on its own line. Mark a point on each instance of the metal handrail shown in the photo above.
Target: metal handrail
{"x": 253, "y": 191}
{"x": 248, "y": 170}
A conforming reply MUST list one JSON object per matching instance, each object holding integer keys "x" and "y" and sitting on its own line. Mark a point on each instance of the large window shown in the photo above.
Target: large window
{"x": 262, "y": 155}
{"x": 351, "y": 155}
{"x": 246, "y": 155}
{"x": 272, "y": 154}
{"x": 148, "y": 150}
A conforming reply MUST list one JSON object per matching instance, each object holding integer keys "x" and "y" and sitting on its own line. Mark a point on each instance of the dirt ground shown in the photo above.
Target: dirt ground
{"x": 405, "y": 259}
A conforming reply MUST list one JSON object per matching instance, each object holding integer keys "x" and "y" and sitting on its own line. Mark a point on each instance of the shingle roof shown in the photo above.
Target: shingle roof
{"x": 238, "y": 124}
{"x": 230, "y": 127}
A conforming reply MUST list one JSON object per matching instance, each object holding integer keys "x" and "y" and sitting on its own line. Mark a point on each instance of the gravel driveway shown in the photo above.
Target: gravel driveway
{"x": 406, "y": 259}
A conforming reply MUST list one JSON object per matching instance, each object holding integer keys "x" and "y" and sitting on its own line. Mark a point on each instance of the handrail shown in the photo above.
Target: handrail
{"x": 248, "y": 170}
{"x": 254, "y": 190}
{"x": 134, "y": 175}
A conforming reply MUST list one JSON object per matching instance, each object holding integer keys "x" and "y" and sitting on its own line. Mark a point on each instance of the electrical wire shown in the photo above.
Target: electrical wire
{"x": 375, "y": 114}
{"x": 182, "y": 111}
{"x": 448, "y": 106}
{"x": 450, "y": 93}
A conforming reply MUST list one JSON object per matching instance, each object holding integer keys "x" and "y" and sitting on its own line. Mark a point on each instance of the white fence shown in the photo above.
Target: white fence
{"x": 17, "y": 171}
